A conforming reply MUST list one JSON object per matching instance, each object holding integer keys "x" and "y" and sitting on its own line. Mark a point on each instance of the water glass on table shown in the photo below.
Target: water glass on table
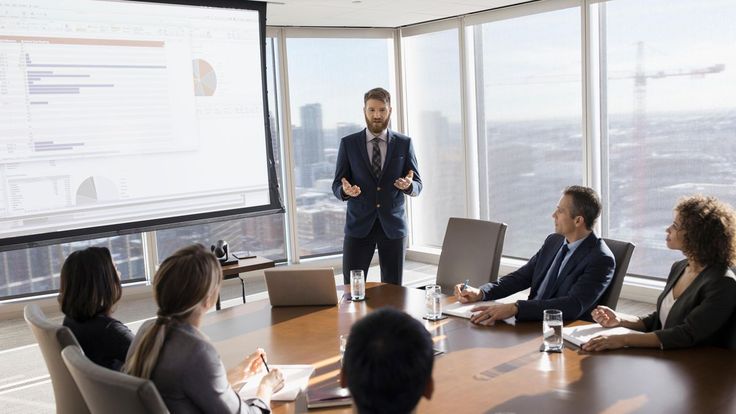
{"x": 343, "y": 345}
{"x": 357, "y": 285}
{"x": 433, "y": 300}
{"x": 552, "y": 330}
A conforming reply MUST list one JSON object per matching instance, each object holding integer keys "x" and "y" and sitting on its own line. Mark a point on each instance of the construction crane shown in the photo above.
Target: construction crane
{"x": 641, "y": 78}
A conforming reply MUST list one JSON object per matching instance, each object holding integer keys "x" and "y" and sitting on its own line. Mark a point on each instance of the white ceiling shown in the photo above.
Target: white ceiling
{"x": 370, "y": 13}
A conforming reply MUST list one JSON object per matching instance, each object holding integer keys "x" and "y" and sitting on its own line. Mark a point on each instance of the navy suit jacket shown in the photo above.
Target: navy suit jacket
{"x": 378, "y": 197}
{"x": 578, "y": 287}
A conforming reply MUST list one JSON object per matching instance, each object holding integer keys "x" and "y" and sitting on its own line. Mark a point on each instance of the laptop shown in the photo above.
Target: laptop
{"x": 301, "y": 286}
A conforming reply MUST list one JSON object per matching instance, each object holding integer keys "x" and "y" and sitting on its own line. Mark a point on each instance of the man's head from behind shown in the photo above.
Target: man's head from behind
{"x": 388, "y": 363}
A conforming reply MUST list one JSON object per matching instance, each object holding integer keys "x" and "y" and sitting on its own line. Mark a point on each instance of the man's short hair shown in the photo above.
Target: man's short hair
{"x": 379, "y": 94}
{"x": 388, "y": 362}
{"x": 585, "y": 202}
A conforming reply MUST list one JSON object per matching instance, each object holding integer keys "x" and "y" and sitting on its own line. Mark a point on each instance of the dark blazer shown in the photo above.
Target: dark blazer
{"x": 378, "y": 197}
{"x": 578, "y": 288}
{"x": 700, "y": 314}
{"x": 104, "y": 340}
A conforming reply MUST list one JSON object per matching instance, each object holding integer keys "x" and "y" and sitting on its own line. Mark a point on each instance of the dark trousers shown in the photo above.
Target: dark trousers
{"x": 357, "y": 253}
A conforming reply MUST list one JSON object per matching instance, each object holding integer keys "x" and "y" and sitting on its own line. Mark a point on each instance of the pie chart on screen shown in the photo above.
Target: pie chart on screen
{"x": 96, "y": 189}
{"x": 205, "y": 78}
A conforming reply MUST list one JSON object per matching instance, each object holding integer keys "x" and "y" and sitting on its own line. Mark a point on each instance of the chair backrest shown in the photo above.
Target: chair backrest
{"x": 471, "y": 250}
{"x": 108, "y": 391}
{"x": 52, "y": 338}
{"x": 622, "y": 252}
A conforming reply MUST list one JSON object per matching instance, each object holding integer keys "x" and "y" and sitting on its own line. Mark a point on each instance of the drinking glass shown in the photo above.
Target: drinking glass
{"x": 552, "y": 330}
{"x": 357, "y": 285}
{"x": 433, "y": 301}
{"x": 343, "y": 344}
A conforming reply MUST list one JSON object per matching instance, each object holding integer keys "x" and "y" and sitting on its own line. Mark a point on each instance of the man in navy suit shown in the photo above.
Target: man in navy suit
{"x": 570, "y": 272}
{"x": 375, "y": 168}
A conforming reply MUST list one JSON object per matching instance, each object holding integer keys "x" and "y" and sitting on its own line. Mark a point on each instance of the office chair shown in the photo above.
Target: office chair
{"x": 108, "y": 391}
{"x": 622, "y": 252}
{"x": 471, "y": 250}
{"x": 52, "y": 338}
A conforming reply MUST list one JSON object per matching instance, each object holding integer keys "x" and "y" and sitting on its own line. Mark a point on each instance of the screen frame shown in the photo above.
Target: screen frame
{"x": 275, "y": 205}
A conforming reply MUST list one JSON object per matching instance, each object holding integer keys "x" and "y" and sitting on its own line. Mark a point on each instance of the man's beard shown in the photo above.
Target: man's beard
{"x": 376, "y": 128}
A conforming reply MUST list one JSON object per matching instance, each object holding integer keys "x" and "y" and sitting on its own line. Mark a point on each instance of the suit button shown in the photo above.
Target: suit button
{"x": 378, "y": 189}
{"x": 378, "y": 206}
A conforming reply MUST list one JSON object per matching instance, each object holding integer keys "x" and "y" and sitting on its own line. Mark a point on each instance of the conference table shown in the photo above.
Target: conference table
{"x": 496, "y": 369}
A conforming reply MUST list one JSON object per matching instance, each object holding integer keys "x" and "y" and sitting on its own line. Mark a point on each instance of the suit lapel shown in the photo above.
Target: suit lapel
{"x": 389, "y": 150}
{"x": 694, "y": 287}
{"x": 580, "y": 253}
{"x": 547, "y": 263}
{"x": 363, "y": 149}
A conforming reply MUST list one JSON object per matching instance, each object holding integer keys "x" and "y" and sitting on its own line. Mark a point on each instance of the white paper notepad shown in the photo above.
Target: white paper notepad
{"x": 296, "y": 378}
{"x": 462, "y": 310}
{"x": 579, "y": 335}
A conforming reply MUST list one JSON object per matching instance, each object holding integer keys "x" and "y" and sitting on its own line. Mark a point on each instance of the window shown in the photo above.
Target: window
{"x": 36, "y": 270}
{"x": 327, "y": 80}
{"x": 529, "y": 99}
{"x": 434, "y": 121}
{"x": 671, "y": 98}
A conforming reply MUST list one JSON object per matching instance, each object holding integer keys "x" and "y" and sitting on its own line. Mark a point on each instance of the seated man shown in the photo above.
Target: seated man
{"x": 570, "y": 272}
{"x": 388, "y": 363}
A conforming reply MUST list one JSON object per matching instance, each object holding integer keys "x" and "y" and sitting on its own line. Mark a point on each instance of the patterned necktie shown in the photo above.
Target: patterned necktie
{"x": 554, "y": 272}
{"x": 376, "y": 158}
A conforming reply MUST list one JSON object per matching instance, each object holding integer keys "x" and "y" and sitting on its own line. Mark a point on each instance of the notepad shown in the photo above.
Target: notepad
{"x": 462, "y": 310}
{"x": 296, "y": 378}
{"x": 330, "y": 396}
{"x": 579, "y": 335}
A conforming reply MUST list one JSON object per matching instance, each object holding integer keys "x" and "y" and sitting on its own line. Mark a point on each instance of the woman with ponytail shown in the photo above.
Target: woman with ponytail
{"x": 172, "y": 352}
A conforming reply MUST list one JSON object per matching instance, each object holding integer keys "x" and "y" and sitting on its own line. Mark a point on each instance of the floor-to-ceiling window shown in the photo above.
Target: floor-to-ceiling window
{"x": 435, "y": 123}
{"x": 329, "y": 72}
{"x": 528, "y": 72}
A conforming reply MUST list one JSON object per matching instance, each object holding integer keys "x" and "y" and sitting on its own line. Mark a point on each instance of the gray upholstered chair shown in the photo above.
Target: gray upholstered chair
{"x": 52, "y": 338}
{"x": 471, "y": 250}
{"x": 108, "y": 391}
{"x": 622, "y": 252}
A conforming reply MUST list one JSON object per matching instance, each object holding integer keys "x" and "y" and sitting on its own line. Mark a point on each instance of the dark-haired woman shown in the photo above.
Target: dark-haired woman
{"x": 90, "y": 288}
{"x": 172, "y": 352}
{"x": 700, "y": 294}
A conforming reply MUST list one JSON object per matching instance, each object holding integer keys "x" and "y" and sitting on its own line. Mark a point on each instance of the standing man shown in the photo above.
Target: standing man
{"x": 375, "y": 168}
{"x": 570, "y": 272}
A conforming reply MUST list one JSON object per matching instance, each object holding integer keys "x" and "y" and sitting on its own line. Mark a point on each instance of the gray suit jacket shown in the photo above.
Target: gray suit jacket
{"x": 700, "y": 315}
{"x": 190, "y": 376}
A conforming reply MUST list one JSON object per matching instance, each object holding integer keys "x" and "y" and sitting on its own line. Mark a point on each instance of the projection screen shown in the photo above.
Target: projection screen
{"x": 122, "y": 116}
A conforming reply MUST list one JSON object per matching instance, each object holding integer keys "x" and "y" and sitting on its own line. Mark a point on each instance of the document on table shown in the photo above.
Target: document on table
{"x": 462, "y": 310}
{"x": 579, "y": 335}
{"x": 296, "y": 378}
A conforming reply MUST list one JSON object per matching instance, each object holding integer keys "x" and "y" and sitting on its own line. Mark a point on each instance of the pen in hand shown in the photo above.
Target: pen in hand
{"x": 465, "y": 285}
{"x": 264, "y": 363}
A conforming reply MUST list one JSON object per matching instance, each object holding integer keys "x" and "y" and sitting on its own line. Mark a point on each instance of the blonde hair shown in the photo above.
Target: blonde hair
{"x": 183, "y": 281}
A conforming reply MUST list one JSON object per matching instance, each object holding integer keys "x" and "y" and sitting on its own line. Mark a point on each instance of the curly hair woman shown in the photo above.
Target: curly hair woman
{"x": 699, "y": 300}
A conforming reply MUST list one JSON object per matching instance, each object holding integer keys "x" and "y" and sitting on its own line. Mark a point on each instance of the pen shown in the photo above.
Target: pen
{"x": 264, "y": 363}
{"x": 465, "y": 285}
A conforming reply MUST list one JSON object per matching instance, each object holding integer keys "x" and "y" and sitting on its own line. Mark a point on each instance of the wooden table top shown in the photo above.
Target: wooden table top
{"x": 496, "y": 369}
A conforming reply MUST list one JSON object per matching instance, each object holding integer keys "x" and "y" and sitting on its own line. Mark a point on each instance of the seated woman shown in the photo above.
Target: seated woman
{"x": 90, "y": 288}
{"x": 698, "y": 299}
{"x": 172, "y": 352}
